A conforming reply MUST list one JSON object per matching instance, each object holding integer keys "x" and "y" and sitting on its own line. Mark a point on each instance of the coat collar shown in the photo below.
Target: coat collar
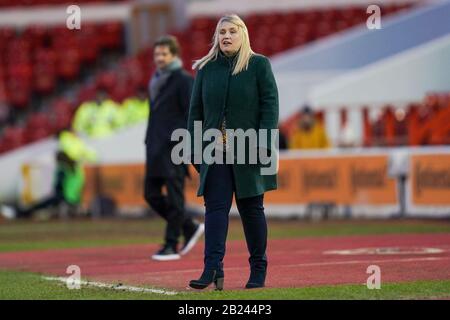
{"x": 225, "y": 60}
{"x": 173, "y": 74}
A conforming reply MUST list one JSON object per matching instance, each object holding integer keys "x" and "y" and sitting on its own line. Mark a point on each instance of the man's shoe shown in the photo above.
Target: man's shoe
{"x": 166, "y": 253}
{"x": 9, "y": 213}
{"x": 191, "y": 239}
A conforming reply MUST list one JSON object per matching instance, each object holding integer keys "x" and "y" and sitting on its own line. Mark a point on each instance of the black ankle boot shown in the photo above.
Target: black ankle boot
{"x": 257, "y": 279}
{"x": 208, "y": 277}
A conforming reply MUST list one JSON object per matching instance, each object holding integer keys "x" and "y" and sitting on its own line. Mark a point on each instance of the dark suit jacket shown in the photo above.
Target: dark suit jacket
{"x": 168, "y": 112}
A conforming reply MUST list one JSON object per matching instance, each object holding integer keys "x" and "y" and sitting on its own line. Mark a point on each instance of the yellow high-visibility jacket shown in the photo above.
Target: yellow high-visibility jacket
{"x": 315, "y": 138}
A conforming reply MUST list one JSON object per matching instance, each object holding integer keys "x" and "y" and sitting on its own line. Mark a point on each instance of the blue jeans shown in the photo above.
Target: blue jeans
{"x": 218, "y": 196}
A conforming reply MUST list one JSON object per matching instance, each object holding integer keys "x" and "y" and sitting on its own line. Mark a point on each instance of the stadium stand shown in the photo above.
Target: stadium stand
{"x": 50, "y": 54}
{"x": 423, "y": 123}
{"x": 35, "y": 58}
{"x": 18, "y": 3}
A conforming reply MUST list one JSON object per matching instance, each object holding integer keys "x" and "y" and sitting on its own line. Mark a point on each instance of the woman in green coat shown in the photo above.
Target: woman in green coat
{"x": 234, "y": 90}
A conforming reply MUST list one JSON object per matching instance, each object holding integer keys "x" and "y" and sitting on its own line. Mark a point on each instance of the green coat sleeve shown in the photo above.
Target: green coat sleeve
{"x": 195, "y": 112}
{"x": 268, "y": 97}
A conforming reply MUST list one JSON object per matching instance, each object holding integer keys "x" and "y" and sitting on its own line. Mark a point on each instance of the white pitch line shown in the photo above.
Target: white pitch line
{"x": 318, "y": 264}
{"x": 114, "y": 287}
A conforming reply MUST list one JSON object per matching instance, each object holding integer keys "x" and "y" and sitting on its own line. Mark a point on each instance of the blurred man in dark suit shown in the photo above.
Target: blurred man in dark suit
{"x": 170, "y": 91}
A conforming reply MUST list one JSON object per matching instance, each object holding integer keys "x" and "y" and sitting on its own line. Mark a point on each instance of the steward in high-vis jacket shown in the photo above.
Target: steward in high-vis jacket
{"x": 69, "y": 173}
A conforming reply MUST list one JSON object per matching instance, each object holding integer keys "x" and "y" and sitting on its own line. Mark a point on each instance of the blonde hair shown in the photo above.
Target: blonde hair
{"x": 244, "y": 52}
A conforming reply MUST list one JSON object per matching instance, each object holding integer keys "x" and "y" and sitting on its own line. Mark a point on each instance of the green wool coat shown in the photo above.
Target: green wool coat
{"x": 248, "y": 99}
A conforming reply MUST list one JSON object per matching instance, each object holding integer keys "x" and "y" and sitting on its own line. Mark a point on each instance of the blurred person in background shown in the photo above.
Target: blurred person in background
{"x": 282, "y": 141}
{"x": 170, "y": 91}
{"x": 4, "y": 114}
{"x": 346, "y": 135}
{"x": 136, "y": 109}
{"x": 69, "y": 175}
{"x": 310, "y": 133}
{"x": 82, "y": 119}
{"x": 98, "y": 118}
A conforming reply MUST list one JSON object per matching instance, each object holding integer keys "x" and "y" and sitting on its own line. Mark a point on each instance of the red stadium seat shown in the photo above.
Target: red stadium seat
{"x": 88, "y": 42}
{"x": 13, "y": 137}
{"x": 62, "y": 105}
{"x": 3, "y": 147}
{"x": 111, "y": 35}
{"x": 36, "y": 35}
{"x": 106, "y": 80}
{"x": 203, "y": 24}
{"x": 68, "y": 64}
{"x": 131, "y": 67}
{"x": 39, "y": 125}
{"x": 86, "y": 93}
{"x": 37, "y": 134}
{"x": 62, "y": 112}
{"x": 44, "y": 71}
{"x": 19, "y": 93}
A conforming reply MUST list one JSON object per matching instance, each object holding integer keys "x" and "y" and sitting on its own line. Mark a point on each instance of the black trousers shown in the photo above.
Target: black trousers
{"x": 218, "y": 196}
{"x": 52, "y": 201}
{"x": 169, "y": 206}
